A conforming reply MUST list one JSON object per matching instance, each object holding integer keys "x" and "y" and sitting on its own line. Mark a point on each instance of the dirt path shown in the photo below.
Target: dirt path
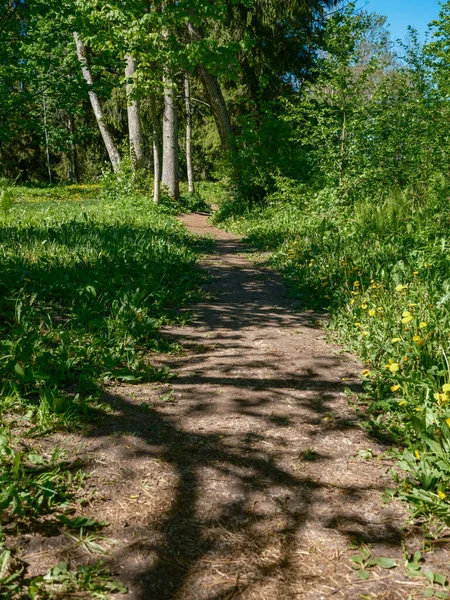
{"x": 242, "y": 479}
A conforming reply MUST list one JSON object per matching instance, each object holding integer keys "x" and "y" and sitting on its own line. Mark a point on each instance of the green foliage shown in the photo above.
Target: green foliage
{"x": 30, "y": 484}
{"x": 85, "y": 287}
{"x": 382, "y": 269}
{"x": 87, "y": 277}
{"x": 61, "y": 580}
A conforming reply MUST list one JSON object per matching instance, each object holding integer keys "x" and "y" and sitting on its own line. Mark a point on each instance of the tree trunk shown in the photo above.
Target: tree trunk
{"x": 156, "y": 154}
{"x": 134, "y": 118}
{"x": 190, "y": 174}
{"x": 113, "y": 153}
{"x": 73, "y": 167}
{"x": 170, "y": 139}
{"x": 47, "y": 149}
{"x": 214, "y": 95}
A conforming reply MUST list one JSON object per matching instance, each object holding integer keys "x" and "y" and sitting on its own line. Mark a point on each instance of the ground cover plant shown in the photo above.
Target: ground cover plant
{"x": 383, "y": 273}
{"x": 86, "y": 281}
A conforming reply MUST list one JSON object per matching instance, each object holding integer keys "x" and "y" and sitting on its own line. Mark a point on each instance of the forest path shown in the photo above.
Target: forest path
{"x": 264, "y": 488}
{"x": 242, "y": 477}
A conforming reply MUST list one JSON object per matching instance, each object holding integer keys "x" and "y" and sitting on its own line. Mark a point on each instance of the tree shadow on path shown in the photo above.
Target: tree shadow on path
{"x": 248, "y": 462}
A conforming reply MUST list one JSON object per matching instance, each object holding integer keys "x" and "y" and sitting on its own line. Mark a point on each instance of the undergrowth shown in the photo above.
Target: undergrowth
{"x": 381, "y": 268}
{"x": 88, "y": 275}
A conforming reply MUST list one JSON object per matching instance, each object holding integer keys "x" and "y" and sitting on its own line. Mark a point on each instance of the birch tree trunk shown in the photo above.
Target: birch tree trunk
{"x": 170, "y": 139}
{"x": 113, "y": 153}
{"x": 187, "y": 95}
{"x": 156, "y": 154}
{"x": 214, "y": 95}
{"x": 135, "y": 132}
{"x": 47, "y": 148}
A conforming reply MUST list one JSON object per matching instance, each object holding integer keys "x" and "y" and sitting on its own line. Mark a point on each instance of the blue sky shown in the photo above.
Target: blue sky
{"x": 401, "y": 13}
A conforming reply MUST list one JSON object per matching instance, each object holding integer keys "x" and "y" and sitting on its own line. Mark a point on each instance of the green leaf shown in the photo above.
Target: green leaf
{"x": 430, "y": 576}
{"x": 18, "y": 369}
{"x": 362, "y": 574}
{"x": 440, "y": 579}
{"x": 385, "y": 563}
{"x": 4, "y": 561}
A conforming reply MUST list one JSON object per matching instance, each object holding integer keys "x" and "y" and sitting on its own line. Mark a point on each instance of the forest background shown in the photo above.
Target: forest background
{"x": 321, "y": 140}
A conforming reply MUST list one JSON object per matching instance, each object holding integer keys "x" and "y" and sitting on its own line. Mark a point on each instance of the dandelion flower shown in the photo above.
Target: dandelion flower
{"x": 365, "y": 373}
{"x": 407, "y": 319}
{"x": 394, "y": 367}
{"x": 448, "y": 421}
{"x": 417, "y": 454}
{"x": 364, "y": 306}
{"x": 422, "y": 324}
{"x": 402, "y": 403}
{"x": 395, "y": 340}
{"x": 372, "y": 312}
{"x": 446, "y": 387}
{"x": 395, "y": 388}
{"x": 441, "y": 495}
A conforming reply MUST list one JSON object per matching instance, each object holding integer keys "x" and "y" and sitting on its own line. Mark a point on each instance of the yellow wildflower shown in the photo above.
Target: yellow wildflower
{"x": 446, "y": 387}
{"x": 418, "y": 340}
{"x": 448, "y": 421}
{"x": 365, "y": 373}
{"x": 394, "y": 367}
{"x": 356, "y": 284}
{"x": 395, "y": 340}
{"x": 395, "y": 387}
{"x": 402, "y": 403}
{"x": 441, "y": 398}
{"x": 372, "y": 312}
{"x": 406, "y": 313}
{"x": 364, "y": 306}
{"x": 422, "y": 324}
{"x": 407, "y": 319}
{"x": 357, "y": 324}
{"x": 417, "y": 454}
{"x": 441, "y": 495}
{"x": 400, "y": 287}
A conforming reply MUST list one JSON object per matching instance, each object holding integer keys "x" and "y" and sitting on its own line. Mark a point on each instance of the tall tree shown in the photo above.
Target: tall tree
{"x": 135, "y": 132}
{"x": 187, "y": 97}
{"x": 170, "y": 138}
{"x": 111, "y": 148}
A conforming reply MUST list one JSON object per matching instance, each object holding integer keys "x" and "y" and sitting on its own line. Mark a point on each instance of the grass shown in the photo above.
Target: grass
{"x": 88, "y": 275}
{"x": 382, "y": 270}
